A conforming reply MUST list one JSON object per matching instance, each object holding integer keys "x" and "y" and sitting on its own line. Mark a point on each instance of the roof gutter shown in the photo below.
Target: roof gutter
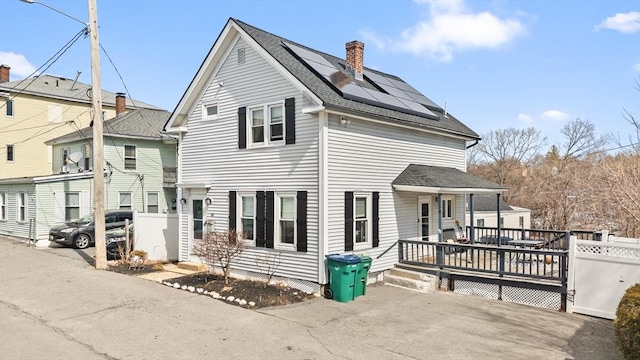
{"x": 474, "y": 144}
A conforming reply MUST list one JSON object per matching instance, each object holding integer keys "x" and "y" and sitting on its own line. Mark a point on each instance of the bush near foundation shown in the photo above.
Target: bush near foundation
{"x": 627, "y": 323}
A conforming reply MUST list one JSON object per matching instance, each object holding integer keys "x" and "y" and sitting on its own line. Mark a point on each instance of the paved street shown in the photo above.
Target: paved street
{"x": 54, "y": 305}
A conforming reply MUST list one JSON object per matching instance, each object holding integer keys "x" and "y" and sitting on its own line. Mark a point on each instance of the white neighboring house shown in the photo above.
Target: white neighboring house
{"x": 486, "y": 215}
{"x": 308, "y": 155}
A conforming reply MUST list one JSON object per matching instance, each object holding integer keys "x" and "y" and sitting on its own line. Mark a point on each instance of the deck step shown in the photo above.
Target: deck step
{"x": 192, "y": 266}
{"x": 410, "y": 280}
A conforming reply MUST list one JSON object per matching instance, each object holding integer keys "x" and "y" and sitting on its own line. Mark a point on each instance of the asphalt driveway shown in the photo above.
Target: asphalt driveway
{"x": 54, "y": 305}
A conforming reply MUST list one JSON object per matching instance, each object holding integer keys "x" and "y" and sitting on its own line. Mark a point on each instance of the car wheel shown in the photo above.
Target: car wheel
{"x": 81, "y": 241}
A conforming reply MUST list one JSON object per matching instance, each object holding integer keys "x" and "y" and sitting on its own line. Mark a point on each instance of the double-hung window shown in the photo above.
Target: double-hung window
{"x": 71, "y": 206}
{"x": 3, "y": 206}
{"x": 22, "y": 206}
{"x": 361, "y": 220}
{"x": 9, "y": 107}
{"x": 11, "y": 156}
{"x": 447, "y": 207}
{"x": 130, "y": 157}
{"x": 286, "y": 221}
{"x": 87, "y": 157}
{"x": 125, "y": 201}
{"x": 152, "y": 202}
{"x": 247, "y": 216}
{"x": 267, "y": 124}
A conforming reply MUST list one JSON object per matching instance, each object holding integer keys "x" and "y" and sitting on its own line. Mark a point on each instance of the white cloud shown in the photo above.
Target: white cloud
{"x": 626, "y": 23}
{"x": 20, "y": 66}
{"x": 554, "y": 115}
{"x": 450, "y": 28}
{"x": 524, "y": 118}
{"x": 636, "y": 67}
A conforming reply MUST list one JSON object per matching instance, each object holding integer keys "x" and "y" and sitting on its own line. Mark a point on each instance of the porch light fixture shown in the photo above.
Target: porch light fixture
{"x": 208, "y": 201}
{"x": 183, "y": 201}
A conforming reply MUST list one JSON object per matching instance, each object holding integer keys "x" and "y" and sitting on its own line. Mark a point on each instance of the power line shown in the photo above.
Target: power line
{"x": 52, "y": 60}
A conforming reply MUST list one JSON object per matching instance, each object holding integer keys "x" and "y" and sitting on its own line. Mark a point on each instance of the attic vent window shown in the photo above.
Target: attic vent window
{"x": 241, "y": 56}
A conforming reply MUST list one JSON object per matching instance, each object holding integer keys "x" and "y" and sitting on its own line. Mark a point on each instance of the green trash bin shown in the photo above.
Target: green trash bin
{"x": 343, "y": 271}
{"x": 362, "y": 276}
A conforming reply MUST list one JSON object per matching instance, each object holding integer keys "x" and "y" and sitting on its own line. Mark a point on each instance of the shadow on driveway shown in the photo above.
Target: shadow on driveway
{"x": 594, "y": 334}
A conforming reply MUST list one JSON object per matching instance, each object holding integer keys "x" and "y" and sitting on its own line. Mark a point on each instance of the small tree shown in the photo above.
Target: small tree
{"x": 219, "y": 248}
{"x": 268, "y": 264}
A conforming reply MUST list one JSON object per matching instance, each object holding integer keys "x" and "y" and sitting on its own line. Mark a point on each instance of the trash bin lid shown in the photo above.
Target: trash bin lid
{"x": 347, "y": 258}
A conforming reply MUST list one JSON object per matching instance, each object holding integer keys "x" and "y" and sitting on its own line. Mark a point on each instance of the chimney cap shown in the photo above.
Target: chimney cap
{"x": 121, "y": 94}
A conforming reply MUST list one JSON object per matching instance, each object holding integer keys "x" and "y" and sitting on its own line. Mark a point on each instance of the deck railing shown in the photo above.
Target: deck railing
{"x": 506, "y": 260}
{"x": 546, "y": 239}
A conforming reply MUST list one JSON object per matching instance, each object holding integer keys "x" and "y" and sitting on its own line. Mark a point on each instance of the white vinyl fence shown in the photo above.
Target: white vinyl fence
{"x": 600, "y": 272}
{"x": 157, "y": 234}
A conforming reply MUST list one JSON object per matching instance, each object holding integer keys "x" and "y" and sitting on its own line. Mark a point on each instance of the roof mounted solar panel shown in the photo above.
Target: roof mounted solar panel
{"x": 307, "y": 55}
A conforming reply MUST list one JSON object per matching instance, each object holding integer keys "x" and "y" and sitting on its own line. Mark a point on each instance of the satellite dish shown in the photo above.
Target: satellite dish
{"x": 75, "y": 157}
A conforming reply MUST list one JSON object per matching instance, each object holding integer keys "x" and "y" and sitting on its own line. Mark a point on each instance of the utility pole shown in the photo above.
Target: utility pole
{"x": 98, "y": 156}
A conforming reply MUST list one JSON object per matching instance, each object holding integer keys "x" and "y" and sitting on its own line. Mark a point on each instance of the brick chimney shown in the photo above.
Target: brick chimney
{"x": 121, "y": 103}
{"x": 355, "y": 58}
{"x": 4, "y": 73}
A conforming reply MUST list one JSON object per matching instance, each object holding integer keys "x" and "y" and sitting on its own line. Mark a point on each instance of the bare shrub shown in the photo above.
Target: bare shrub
{"x": 268, "y": 263}
{"x": 219, "y": 248}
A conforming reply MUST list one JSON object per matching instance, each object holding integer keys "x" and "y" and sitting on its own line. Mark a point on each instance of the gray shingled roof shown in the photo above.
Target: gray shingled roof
{"x": 487, "y": 202}
{"x": 60, "y": 88}
{"x": 144, "y": 124}
{"x": 437, "y": 176}
{"x": 333, "y": 100}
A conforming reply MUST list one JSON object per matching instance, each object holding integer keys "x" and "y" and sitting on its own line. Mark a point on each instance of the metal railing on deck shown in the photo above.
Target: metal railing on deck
{"x": 544, "y": 239}
{"x": 504, "y": 260}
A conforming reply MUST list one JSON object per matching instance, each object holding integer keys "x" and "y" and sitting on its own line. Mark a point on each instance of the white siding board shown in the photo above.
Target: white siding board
{"x": 366, "y": 157}
{"x": 210, "y": 155}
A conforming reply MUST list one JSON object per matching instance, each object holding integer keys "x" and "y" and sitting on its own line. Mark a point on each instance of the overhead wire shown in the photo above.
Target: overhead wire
{"x": 52, "y": 60}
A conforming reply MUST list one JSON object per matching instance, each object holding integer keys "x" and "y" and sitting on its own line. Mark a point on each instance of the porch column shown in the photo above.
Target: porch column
{"x": 439, "y": 200}
{"x": 472, "y": 234}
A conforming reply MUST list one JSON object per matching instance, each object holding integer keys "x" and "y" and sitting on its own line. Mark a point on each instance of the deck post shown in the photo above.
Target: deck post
{"x": 400, "y": 250}
{"x": 472, "y": 235}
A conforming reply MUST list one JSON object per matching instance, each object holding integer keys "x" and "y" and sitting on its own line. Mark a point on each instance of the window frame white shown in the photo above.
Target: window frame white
{"x": 10, "y": 108}
{"x": 66, "y": 205}
{"x": 22, "y": 207}
{"x": 3, "y": 206}
{"x": 367, "y": 244}
{"x": 13, "y": 153}
{"x": 277, "y": 243}
{"x": 87, "y": 161}
{"x": 130, "y": 205}
{"x": 266, "y": 125}
{"x": 206, "y": 106}
{"x": 448, "y": 212}
{"x": 239, "y": 215}
{"x": 125, "y": 157}
{"x": 157, "y": 204}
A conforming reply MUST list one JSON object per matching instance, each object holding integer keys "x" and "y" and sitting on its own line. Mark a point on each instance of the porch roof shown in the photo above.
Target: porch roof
{"x": 443, "y": 180}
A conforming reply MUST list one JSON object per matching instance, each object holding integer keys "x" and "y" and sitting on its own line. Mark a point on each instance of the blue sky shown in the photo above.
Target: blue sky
{"x": 496, "y": 64}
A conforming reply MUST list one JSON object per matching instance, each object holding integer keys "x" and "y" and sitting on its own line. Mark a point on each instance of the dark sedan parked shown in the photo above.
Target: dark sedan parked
{"x": 80, "y": 233}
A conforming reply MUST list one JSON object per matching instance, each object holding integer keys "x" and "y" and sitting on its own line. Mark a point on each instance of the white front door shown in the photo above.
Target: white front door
{"x": 197, "y": 219}
{"x": 424, "y": 208}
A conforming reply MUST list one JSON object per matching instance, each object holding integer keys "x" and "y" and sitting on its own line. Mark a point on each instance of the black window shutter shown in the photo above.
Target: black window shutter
{"x": 348, "y": 221}
{"x": 260, "y": 239}
{"x": 269, "y": 209}
{"x": 242, "y": 127}
{"x": 376, "y": 219}
{"x": 232, "y": 210}
{"x": 302, "y": 221}
{"x": 290, "y": 120}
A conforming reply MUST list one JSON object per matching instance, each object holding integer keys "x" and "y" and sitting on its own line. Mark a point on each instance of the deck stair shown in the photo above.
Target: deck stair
{"x": 412, "y": 280}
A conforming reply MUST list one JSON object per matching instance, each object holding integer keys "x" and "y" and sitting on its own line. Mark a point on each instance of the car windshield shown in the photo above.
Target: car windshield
{"x": 85, "y": 220}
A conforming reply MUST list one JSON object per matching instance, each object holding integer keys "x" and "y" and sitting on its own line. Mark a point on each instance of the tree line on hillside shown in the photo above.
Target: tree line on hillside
{"x": 588, "y": 181}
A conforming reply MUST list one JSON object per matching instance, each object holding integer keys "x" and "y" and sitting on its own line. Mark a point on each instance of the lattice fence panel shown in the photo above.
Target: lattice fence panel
{"x": 619, "y": 251}
{"x": 476, "y": 288}
{"x": 535, "y": 297}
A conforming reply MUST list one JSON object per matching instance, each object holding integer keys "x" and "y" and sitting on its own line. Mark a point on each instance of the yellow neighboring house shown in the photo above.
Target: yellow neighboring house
{"x": 40, "y": 108}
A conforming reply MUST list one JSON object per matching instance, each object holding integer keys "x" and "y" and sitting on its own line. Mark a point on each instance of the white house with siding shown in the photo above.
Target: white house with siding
{"x": 140, "y": 174}
{"x": 308, "y": 155}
